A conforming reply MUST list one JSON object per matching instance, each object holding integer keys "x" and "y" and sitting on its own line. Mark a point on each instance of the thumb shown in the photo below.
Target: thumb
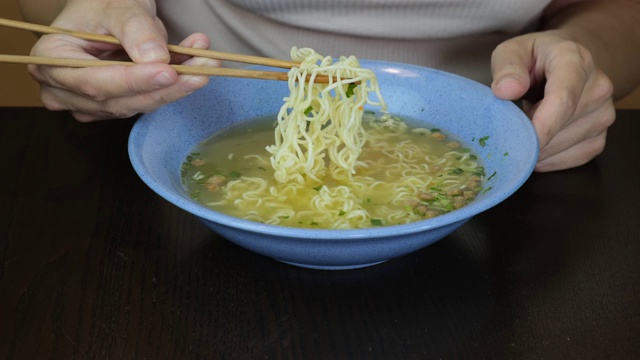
{"x": 510, "y": 64}
{"x": 141, "y": 34}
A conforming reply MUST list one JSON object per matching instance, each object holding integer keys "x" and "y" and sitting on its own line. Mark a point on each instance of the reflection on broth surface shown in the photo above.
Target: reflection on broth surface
{"x": 403, "y": 174}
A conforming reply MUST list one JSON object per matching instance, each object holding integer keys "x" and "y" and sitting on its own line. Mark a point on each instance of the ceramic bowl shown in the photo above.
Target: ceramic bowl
{"x": 160, "y": 141}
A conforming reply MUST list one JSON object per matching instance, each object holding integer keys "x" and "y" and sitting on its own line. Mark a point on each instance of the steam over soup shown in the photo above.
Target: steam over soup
{"x": 403, "y": 174}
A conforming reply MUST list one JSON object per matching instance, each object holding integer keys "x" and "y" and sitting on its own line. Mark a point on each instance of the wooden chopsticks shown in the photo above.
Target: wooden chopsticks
{"x": 181, "y": 69}
{"x": 248, "y": 59}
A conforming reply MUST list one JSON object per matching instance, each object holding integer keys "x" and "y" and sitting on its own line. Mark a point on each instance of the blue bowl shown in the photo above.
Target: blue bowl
{"x": 160, "y": 141}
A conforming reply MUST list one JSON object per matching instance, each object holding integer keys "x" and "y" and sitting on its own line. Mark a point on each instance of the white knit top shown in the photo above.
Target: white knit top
{"x": 453, "y": 35}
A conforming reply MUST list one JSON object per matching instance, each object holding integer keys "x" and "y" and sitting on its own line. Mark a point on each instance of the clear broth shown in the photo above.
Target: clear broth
{"x": 405, "y": 174}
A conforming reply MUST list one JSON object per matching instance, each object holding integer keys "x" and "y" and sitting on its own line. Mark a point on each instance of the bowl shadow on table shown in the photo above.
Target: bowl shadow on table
{"x": 253, "y": 289}
{"x": 472, "y": 277}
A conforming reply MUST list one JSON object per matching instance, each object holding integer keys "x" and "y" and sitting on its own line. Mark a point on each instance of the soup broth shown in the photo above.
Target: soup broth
{"x": 404, "y": 174}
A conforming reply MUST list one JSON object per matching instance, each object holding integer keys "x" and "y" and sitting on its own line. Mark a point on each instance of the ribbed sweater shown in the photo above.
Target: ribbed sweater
{"x": 452, "y": 35}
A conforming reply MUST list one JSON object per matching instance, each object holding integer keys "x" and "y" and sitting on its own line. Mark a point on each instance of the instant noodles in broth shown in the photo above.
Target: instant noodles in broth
{"x": 403, "y": 174}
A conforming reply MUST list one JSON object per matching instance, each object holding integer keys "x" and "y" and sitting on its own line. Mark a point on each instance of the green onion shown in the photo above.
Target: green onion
{"x": 308, "y": 110}
{"x": 479, "y": 172}
{"x": 350, "y": 90}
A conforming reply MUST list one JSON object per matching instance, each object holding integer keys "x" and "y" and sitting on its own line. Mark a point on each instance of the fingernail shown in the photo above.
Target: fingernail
{"x": 209, "y": 63}
{"x": 507, "y": 79}
{"x": 162, "y": 79}
{"x": 200, "y": 45}
{"x": 152, "y": 51}
{"x": 204, "y": 62}
{"x": 193, "y": 83}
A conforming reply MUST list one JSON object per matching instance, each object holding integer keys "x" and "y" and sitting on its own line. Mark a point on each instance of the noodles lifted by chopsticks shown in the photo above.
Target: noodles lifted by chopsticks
{"x": 322, "y": 119}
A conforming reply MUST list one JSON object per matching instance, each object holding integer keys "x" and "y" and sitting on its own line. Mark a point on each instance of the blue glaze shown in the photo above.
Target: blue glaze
{"x": 160, "y": 141}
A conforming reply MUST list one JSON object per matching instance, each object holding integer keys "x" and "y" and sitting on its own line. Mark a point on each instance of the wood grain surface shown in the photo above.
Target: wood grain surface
{"x": 95, "y": 265}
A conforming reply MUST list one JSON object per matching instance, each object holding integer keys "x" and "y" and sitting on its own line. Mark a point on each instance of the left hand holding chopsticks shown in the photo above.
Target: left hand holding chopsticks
{"x": 115, "y": 91}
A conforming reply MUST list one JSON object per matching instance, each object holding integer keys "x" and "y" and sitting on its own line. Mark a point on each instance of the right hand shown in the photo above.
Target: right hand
{"x": 115, "y": 91}
{"x": 567, "y": 96}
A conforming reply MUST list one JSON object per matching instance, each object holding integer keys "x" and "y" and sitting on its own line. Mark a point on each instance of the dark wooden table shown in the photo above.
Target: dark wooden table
{"x": 97, "y": 266}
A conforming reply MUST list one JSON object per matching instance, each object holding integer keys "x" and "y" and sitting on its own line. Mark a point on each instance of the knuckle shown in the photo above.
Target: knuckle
{"x": 89, "y": 90}
{"x": 140, "y": 22}
{"x": 117, "y": 112}
{"x": 603, "y": 87}
{"x": 83, "y": 86}
{"x": 35, "y": 73}
{"x": 607, "y": 118}
{"x": 576, "y": 53}
{"x": 51, "y": 102}
{"x": 596, "y": 146}
{"x": 569, "y": 99}
{"x": 610, "y": 117}
{"x": 84, "y": 117}
{"x": 585, "y": 57}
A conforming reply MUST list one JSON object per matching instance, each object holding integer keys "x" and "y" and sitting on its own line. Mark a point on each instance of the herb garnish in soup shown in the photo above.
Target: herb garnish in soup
{"x": 403, "y": 174}
{"x": 326, "y": 163}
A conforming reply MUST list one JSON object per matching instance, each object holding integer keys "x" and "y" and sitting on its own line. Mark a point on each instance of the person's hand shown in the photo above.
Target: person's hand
{"x": 114, "y": 91}
{"x": 567, "y": 97}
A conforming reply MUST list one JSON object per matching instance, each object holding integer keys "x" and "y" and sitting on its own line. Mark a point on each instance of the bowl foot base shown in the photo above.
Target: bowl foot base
{"x": 332, "y": 267}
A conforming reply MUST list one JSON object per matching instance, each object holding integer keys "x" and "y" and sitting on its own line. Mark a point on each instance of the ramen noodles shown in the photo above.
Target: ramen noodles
{"x": 403, "y": 174}
{"x": 325, "y": 162}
